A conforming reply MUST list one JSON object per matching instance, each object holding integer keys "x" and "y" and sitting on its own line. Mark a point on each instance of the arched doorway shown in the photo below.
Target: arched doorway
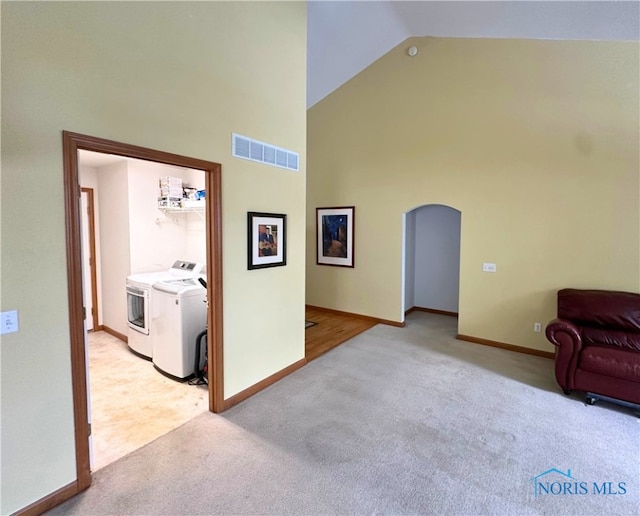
{"x": 431, "y": 278}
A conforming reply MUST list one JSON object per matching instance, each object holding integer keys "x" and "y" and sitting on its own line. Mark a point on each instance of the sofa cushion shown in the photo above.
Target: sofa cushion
{"x": 621, "y": 339}
{"x": 607, "y": 308}
{"x": 610, "y": 361}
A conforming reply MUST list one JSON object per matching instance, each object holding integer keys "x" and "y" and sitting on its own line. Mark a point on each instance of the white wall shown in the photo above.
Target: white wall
{"x": 437, "y": 257}
{"x": 194, "y": 178}
{"x": 196, "y": 249}
{"x": 157, "y": 240}
{"x": 113, "y": 193}
{"x": 196, "y": 237}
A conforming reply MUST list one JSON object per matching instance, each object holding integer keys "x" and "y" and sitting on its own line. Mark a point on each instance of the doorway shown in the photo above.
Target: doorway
{"x": 72, "y": 143}
{"x": 131, "y": 403}
{"x": 89, "y": 259}
{"x": 432, "y": 259}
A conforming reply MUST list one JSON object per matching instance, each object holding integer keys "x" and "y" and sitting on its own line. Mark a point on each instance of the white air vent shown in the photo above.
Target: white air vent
{"x": 255, "y": 150}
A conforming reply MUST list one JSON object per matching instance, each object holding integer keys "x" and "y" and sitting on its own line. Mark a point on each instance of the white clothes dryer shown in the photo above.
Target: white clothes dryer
{"x": 179, "y": 316}
{"x": 139, "y": 310}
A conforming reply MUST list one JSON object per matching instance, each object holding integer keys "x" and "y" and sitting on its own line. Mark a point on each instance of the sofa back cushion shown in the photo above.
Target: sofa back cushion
{"x": 602, "y": 336}
{"x": 600, "y": 308}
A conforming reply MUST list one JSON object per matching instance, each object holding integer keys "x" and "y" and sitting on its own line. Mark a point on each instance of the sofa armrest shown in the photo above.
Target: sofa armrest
{"x": 566, "y": 336}
{"x": 561, "y": 332}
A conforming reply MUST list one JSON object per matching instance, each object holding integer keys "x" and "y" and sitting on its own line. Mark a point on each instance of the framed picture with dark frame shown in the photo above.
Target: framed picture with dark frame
{"x": 267, "y": 240}
{"x": 334, "y": 236}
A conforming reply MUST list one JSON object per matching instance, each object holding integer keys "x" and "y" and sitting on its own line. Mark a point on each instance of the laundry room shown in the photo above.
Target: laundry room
{"x": 146, "y": 221}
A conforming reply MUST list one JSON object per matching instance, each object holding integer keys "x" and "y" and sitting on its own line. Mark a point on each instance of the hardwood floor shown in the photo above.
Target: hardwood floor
{"x": 331, "y": 330}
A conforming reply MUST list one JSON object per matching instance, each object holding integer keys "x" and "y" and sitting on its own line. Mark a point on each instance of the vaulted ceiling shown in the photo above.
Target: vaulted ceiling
{"x": 344, "y": 37}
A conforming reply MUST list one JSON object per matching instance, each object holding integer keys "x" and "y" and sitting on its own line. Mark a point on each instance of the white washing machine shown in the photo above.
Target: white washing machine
{"x": 139, "y": 303}
{"x": 179, "y": 315}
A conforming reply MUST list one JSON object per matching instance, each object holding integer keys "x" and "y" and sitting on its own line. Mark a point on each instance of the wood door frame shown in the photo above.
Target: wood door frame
{"x": 71, "y": 144}
{"x": 92, "y": 261}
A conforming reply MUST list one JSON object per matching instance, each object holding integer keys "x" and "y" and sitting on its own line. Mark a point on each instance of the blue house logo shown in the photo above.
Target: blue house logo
{"x": 557, "y": 482}
{"x": 562, "y": 486}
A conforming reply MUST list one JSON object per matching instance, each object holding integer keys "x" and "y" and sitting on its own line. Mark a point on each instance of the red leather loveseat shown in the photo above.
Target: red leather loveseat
{"x": 597, "y": 334}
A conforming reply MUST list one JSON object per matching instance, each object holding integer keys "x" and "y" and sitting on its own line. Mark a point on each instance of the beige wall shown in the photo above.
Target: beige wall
{"x": 178, "y": 77}
{"x": 535, "y": 142}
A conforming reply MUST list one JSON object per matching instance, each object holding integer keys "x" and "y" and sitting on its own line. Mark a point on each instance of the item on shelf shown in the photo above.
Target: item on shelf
{"x": 189, "y": 192}
{"x": 176, "y": 197}
{"x": 170, "y": 181}
{"x": 171, "y": 187}
{"x": 169, "y": 202}
{"x": 171, "y": 192}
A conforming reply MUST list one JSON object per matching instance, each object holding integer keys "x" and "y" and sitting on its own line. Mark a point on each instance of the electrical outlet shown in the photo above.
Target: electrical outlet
{"x": 537, "y": 327}
{"x": 488, "y": 267}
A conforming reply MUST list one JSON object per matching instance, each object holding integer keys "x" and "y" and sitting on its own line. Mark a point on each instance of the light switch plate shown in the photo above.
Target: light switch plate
{"x": 9, "y": 322}
{"x": 488, "y": 267}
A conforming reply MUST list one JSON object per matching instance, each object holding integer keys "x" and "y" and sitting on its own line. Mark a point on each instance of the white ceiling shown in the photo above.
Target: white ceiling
{"x": 344, "y": 37}
{"x": 97, "y": 159}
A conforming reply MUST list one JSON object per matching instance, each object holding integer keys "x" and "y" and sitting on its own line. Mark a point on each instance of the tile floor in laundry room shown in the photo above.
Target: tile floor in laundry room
{"x": 132, "y": 403}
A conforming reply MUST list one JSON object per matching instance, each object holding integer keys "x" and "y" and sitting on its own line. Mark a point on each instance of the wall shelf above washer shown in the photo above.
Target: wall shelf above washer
{"x": 181, "y": 205}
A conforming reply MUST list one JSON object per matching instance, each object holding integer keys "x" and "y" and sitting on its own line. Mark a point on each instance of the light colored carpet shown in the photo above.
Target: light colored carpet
{"x": 395, "y": 421}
